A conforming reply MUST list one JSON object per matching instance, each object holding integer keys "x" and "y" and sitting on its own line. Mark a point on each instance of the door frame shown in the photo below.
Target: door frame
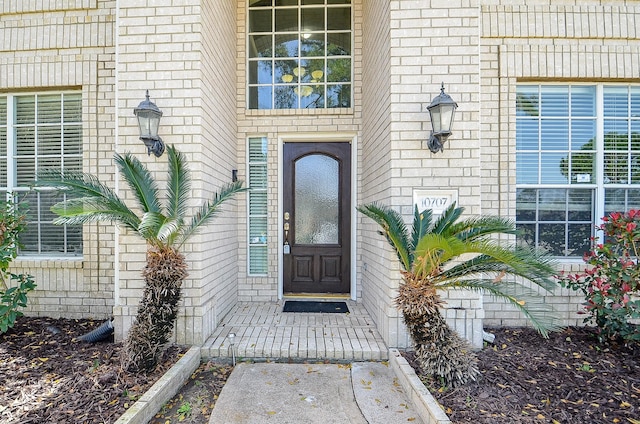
{"x": 346, "y": 137}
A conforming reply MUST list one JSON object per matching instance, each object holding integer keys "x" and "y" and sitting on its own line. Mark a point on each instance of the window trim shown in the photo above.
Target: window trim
{"x": 12, "y": 168}
{"x": 598, "y": 186}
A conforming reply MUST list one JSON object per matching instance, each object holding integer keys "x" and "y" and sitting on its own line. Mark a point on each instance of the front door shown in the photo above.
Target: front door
{"x": 317, "y": 218}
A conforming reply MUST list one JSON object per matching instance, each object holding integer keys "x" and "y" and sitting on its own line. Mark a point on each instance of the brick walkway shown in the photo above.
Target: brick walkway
{"x": 263, "y": 331}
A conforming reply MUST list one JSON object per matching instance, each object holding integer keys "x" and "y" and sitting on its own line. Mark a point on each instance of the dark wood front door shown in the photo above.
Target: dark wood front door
{"x": 317, "y": 218}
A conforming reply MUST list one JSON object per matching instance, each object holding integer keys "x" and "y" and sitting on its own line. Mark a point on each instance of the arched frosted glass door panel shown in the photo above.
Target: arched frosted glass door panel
{"x": 317, "y": 198}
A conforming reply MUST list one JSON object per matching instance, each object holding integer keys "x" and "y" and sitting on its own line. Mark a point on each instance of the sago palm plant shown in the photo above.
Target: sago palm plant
{"x": 453, "y": 253}
{"x": 164, "y": 227}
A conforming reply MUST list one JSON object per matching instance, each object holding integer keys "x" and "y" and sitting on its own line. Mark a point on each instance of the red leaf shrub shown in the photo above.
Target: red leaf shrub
{"x": 612, "y": 280}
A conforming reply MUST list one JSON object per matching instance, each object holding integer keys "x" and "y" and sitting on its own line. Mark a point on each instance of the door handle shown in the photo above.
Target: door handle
{"x": 286, "y": 249}
{"x": 286, "y": 227}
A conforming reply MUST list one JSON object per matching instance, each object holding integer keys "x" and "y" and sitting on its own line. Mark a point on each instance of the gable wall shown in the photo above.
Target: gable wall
{"x": 74, "y": 41}
{"x": 543, "y": 41}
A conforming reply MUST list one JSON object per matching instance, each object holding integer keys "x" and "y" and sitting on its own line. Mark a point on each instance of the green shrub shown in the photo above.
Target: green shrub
{"x": 611, "y": 283}
{"x": 13, "y": 296}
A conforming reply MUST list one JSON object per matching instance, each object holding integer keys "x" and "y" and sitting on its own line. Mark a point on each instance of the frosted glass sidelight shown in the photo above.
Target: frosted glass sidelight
{"x": 316, "y": 198}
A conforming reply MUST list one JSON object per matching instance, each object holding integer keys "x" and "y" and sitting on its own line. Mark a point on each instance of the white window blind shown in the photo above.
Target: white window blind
{"x": 257, "y": 205}
{"x": 37, "y": 132}
{"x": 3, "y": 141}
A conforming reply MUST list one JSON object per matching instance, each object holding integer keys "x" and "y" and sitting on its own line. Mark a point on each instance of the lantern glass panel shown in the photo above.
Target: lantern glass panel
{"x": 442, "y": 118}
{"x": 149, "y": 123}
{"x": 446, "y": 116}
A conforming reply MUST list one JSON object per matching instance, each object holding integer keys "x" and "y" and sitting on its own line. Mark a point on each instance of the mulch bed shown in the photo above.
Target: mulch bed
{"x": 48, "y": 377}
{"x": 568, "y": 378}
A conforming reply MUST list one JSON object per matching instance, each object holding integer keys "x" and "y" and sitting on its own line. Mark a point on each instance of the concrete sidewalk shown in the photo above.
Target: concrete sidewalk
{"x": 362, "y": 392}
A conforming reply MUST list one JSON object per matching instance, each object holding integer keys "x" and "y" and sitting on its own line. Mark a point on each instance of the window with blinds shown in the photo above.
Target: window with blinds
{"x": 577, "y": 159}
{"x": 37, "y": 132}
{"x": 257, "y": 205}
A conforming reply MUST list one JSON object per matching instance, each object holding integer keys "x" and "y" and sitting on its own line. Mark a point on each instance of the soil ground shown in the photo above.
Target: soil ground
{"x": 568, "y": 378}
{"x": 47, "y": 377}
{"x": 194, "y": 402}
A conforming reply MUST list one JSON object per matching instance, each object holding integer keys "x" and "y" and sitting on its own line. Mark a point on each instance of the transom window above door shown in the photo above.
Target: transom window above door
{"x": 299, "y": 54}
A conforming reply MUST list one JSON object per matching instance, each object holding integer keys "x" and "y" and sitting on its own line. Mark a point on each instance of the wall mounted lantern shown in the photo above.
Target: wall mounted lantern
{"x": 149, "y": 116}
{"x": 441, "y": 110}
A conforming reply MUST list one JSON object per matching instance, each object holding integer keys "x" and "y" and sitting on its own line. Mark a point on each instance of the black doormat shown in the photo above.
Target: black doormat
{"x": 310, "y": 306}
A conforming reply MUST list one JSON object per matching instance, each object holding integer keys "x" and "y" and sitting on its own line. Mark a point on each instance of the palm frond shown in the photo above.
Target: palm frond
{"x": 448, "y": 218}
{"x": 141, "y": 182}
{"x": 536, "y": 266}
{"x": 393, "y": 228}
{"x": 178, "y": 186}
{"x": 421, "y": 224}
{"x": 170, "y": 230}
{"x": 89, "y": 217}
{"x": 531, "y": 265}
{"x": 209, "y": 209}
{"x": 88, "y": 192}
{"x": 477, "y": 228}
{"x": 477, "y": 266}
{"x": 150, "y": 225}
{"x": 527, "y": 301}
{"x": 434, "y": 251}
{"x": 87, "y": 210}
{"x": 75, "y": 184}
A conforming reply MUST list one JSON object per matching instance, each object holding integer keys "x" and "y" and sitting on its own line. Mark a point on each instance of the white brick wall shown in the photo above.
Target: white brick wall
{"x": 434, "y": 42}
{"x": 184, "y": 53}
{"x": 212, "y": 288}
{"x": 537, "y": 41}
{"x": 36, "y": 6}
{"x": 378, "y": 267}
{"x": 75, "y": 50}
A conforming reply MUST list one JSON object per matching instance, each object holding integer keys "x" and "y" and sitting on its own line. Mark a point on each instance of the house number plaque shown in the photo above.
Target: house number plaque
{"x": 436, "y": 200}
